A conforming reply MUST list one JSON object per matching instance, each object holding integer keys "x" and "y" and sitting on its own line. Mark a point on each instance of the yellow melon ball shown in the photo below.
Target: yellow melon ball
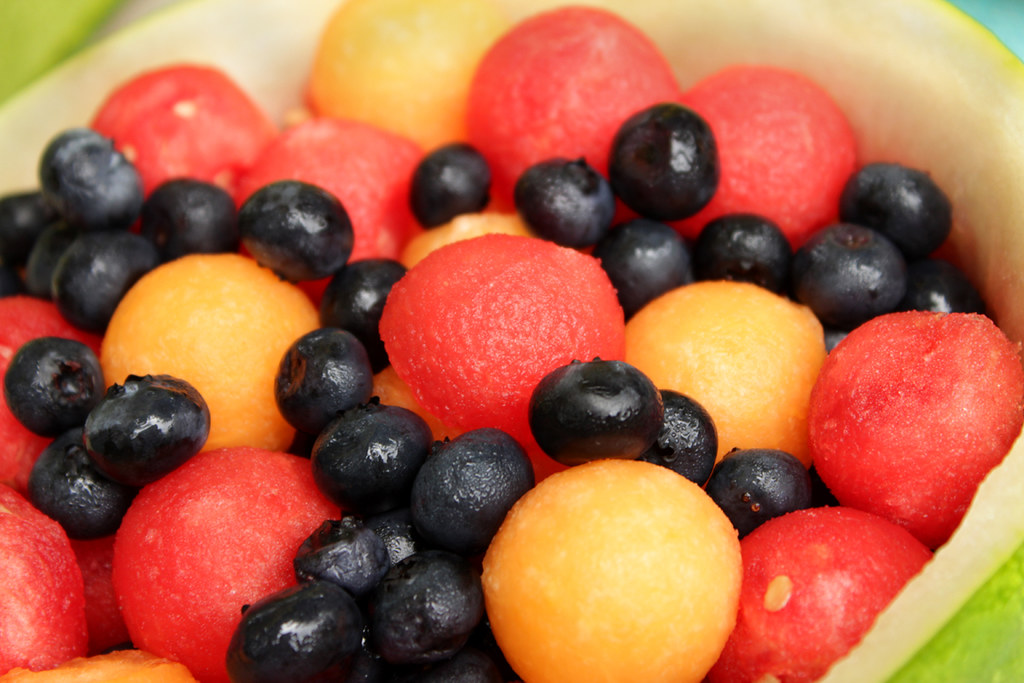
{"x": 748, "y": 356}
{"x": 615, "y": 570}
{"x": 403, "y": 65}
{"x": 121, "y": 666}
{"x": 463, "y": 227}
{"x": 222, "y": 323}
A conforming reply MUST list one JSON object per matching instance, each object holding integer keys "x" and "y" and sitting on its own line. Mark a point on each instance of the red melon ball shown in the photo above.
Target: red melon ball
{"x": 813, "y": 583}
{"x": 23, "y": 318}
{"x": 911, "y": 411}
{"x": 367, "y": 168}
{"x": 106, "y": 625}
{"x": 218, "y": 533}
{"x": 785, "y": 148}
{"x": 185, "y": 120}
{"x": 559, "y": 84}
{"x": 474, "y": 326}
{"x": 42, "y": 599}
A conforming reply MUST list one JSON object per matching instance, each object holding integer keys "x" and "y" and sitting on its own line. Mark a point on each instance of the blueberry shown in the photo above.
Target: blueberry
{"x": 833, "y": 337}
{"x": 298, "y": 230}
{"x": 848, "y": 274}
{"x": 595, "y": 409}
{"x": 343, "y": 552}
{"x": 95, "y": 272}
{"x": 567, "y": 202}
{"x": 425, "y": 608}
{"x": 66, "y": 486}
{"x": 466, "y": 487}
{"x": 188, "y": 216}
{"x": 396, "y": 529}
{"x": 44, "y": 257}
{"x": 688, "y": 441}
{"x": 939, "y": 286}
{"x": 146, "y": 427}
{"x": 10, "y": 281}
{"x": 366, "y": 459}
{"x": 643, "y": 259}
{"x": 52, "y": 383}
{"x": 469, "y": 665}
{"x": 23, "y": 217}
{"x": 754, "y": 485}
{"x": 300, "y": 634}
{"x": 744, "y": 248}
{"x": 902, "y": 203}
{"x": 449, "y": 181}
{"x": 354, "y": 300}
{"x": 322, "y": 373}
{"x": 664, "y": 162}
{"x": 89, "y": 183}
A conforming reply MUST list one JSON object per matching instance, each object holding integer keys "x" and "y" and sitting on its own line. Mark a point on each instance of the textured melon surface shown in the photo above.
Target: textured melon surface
{"x": 921, "y": 83}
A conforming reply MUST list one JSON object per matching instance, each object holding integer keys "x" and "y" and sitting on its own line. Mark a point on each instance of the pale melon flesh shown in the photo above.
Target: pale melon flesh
{"x": 921, "y": 83}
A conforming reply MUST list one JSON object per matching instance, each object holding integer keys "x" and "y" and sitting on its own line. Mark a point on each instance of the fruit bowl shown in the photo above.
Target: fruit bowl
{"x": 920, "y": 81}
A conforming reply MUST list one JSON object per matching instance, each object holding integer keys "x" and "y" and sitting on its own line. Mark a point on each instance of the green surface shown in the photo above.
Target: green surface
{"x": 983, "y": 641}
{"x": 37, "y": 34}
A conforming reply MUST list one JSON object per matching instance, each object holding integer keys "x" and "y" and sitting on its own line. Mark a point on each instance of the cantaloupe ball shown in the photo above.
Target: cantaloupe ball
{"x": 404, "y": 65}
{"x": 222, "y": 323}
{"x": 121, "y": 666}
{"x": 749, "y": 356}
{"x": 462, "y": 227}
{"x": 615, "y": 570}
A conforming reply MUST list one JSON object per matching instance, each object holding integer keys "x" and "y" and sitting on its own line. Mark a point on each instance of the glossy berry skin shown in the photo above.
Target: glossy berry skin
{"x": 52, "y": 384}
{"x": 425, "y": 608}
{"x": 23, "y": 216}
{"x": 304, "y": 633}
{"x": 902, "y": 203}
{"x": 397, "y": 530}
{"x": 449, "y": 181}
{"x": 89, "y": 183}
{"x": 345, "y": 553}
{"x": 664, "y": 162}
{"x": 146, "y": 428}
{"x": 744, "y": 248}
{"x": 323, "y": 373}
{"x": 44, "y": 256}
{"x": 354, "y": 300}
{"x": 469, "y": 665}
{"x": 466, "y": 487}
{"x": 595, "y": 409}
{"x": 688, "y": 441}
{"x": 939, "y": 286}
{"x": 189, "y": 216}
{"x": 67, "y": 487}
{"x": 565, "y": 201}
{"x": 848, "y": 274}
{"x": 756, "y": 484}
{"x": 366, "y": 459}
{"x": 298, "y": 230}
{"x": 95, "y": 272}
{"x": 643, "y": 259}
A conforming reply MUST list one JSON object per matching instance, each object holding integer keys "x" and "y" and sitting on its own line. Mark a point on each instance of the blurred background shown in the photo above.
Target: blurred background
{"x": 35, "y": 35}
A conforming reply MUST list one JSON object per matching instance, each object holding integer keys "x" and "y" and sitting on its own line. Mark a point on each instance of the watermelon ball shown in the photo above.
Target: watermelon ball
{"x": 185, "y": 121}
{"x": 106, "y": 627}
{"x": 368, "y": 169}
{"x": 910, "y": 411}
{"x": 42, "y": 599}
{"x": 786, "y": 149}
{"x": 218, "y": 533}
{"x": 474, "y": 326}
{"x": 559, "y": 84}
{"x": 813, "y": 582}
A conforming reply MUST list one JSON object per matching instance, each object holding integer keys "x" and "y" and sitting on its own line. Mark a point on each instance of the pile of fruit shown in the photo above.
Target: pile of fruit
{"x": 506, "y": 356}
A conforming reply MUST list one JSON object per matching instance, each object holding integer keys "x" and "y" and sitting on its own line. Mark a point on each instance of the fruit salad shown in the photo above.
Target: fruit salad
{"x": 480, "y": 340}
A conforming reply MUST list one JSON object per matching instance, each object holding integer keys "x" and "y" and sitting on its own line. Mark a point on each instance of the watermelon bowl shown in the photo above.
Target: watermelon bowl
{"x": 920, "y": 82}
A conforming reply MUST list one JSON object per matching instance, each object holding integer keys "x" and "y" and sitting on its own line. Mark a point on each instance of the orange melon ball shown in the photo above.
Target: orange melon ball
{"x": 615, "y": 570}
{"x": 222, "y": 323}
{"x": 404, "y": 65}
{"x": 122, "y": 666}
{"x": 749, "y": 356}
{"x": 462, "y": 227}
{"x": 393, "y": 391}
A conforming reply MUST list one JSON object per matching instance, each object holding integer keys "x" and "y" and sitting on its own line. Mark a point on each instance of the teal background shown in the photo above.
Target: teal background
{"x": 1005, "y": 18}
